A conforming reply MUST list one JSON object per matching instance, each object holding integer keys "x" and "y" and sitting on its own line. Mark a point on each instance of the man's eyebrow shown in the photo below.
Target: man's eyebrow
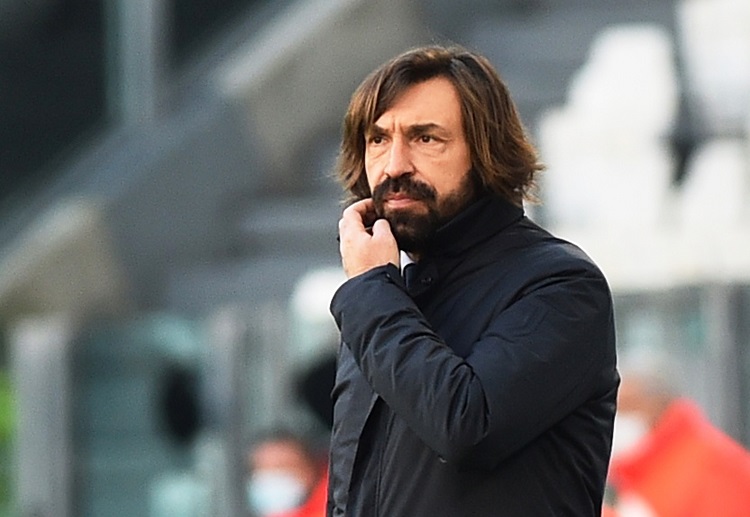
{"x": 375, "y": 130}
{"x": 411, "y": 131}
{"x": 420, "y": 129}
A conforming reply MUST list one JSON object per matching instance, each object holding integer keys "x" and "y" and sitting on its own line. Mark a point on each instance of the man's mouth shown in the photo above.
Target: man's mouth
{"x": 401, "y": 194}
{"x": 399, "y": 200}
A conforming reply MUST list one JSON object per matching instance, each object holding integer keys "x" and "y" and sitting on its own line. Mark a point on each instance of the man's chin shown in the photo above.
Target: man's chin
{"x": 413, "y": 234}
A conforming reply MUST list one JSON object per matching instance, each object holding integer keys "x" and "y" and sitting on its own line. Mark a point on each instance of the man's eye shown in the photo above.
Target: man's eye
{"x": 377, "y": 140}
{"x": 426, "y": 139}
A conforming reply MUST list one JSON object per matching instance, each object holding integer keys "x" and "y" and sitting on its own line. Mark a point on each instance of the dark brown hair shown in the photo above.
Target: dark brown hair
{"x": 502, "y": 156}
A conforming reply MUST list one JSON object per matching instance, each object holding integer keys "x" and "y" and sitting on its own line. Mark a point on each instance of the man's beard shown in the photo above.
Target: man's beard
{"x": 415, "y": 230}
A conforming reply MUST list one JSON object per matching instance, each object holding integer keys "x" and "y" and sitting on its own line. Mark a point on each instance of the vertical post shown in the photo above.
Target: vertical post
{"x": 40, "y": 351}
{"x": 742, "y": 313}
{"x": 135, "y": 33}
{"x": 228, "y": 332}
{"x": 725, "y": 368}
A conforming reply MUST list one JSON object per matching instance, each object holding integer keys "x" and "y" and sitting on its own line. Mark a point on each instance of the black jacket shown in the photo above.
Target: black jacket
{"x": 487, "y": 388}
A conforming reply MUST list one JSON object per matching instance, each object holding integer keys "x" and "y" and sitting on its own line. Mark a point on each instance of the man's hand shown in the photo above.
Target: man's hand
{"x": 360, "y": 249}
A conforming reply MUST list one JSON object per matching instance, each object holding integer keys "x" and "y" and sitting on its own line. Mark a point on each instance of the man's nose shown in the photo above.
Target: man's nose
{"x": 399, "y": 159}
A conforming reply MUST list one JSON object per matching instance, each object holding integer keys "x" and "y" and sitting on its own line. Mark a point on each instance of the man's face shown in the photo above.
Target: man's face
{"x": 283, "y": 456}
{"x": 281, "y": 476}
{"x": 418, "y": 162}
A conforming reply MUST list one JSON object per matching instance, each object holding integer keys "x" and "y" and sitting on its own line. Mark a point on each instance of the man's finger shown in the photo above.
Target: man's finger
{"x": 362, "y": 206}
{"x": 363, "y": 211}
{"x": 381, "y": 228}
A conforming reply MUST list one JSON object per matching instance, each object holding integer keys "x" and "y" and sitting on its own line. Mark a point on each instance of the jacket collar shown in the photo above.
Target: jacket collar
{"x": 485, "y": 217}
{"x": 480, "y": 220}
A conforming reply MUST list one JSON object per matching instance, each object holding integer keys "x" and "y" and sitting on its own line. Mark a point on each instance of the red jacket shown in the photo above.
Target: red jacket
{"x": 686, "y": 468}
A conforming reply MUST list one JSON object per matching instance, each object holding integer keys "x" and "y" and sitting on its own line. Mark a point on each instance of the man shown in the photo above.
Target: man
{"x": 668, "y": 459}
{"x": 286, "y": 478}
{"x": 483, "y": 382}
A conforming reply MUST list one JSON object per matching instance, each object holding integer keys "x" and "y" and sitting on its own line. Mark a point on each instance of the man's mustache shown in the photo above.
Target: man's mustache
{"x": 405, "y": 185}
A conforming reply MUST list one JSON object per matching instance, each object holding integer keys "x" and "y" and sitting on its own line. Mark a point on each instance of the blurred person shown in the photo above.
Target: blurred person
{"x": 481, "y": 380}
{"x": 313, "y": 382}
{"x": 313, "y": 386}
{"x": 287, "y": 478}
{"x": 668, "y": 459}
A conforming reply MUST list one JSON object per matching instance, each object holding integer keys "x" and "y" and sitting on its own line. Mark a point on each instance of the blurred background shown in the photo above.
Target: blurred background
{"x": 168, "y": 222}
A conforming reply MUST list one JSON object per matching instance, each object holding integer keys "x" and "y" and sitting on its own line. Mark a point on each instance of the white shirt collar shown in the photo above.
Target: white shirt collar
{"x": 405, "y": 260}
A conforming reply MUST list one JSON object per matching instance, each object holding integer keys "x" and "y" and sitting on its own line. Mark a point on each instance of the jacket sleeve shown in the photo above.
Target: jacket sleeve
{"x": 536, "y": 362}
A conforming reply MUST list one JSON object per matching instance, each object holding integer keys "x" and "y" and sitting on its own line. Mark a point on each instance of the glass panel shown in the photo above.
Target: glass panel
{"x": 135, "y": 415}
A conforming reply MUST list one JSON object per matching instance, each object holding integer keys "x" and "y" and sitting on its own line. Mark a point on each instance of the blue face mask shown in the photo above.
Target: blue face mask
{"x": 274, "y": 491}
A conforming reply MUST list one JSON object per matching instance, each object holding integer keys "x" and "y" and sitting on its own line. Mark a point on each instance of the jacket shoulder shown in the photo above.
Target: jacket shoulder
{"x": 531, "y": 248}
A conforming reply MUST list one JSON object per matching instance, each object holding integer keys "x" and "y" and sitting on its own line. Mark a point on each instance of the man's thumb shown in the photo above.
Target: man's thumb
{"x": 381, "y": 228}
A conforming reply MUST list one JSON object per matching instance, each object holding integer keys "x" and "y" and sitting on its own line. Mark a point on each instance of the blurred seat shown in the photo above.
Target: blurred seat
{"x": 715, "y": 41}
{"x": 607, "y": 146}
